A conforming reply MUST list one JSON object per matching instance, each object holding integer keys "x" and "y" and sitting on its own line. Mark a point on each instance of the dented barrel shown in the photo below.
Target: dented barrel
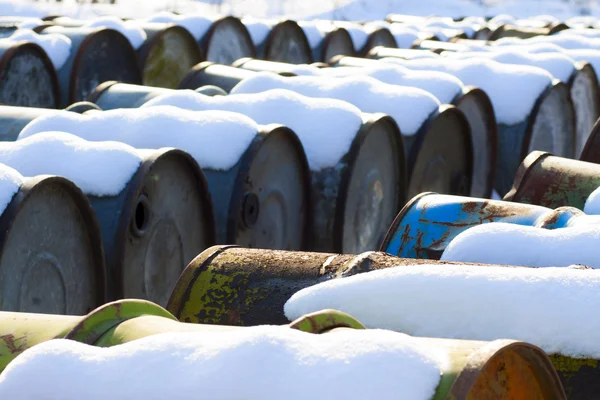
{"x": 227, "y": 40}
{"x": 51, "y": 255}
{"x": 97, "y": 55}
{"x": 285, "y": 42}
{"x": 27, "y": 76}
{"x": 124, "y": 321}
{"x": 167, "y": 54}
{"x": 549, "y": 181}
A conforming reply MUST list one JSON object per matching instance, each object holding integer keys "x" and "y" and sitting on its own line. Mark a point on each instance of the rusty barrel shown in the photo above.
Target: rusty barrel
{"x": 429, "y": 222}
{"x": 440, "y": 154}
{"x": 591, "y": 150}
{"x": 124, "y": 321}
{"x": 27, "y": 76}
{"x": 51, "y": 254}
{"x": 328, "y": 42}
{"x": 284, "y": 42}
{"x": 585, "y": 93}
{"x": 549, "y": 181}
{"x": 97, "y": 55}
{"x": 167, "y": 54}
{"x": 521, "y": 32}
{"x": 227, "y": 40}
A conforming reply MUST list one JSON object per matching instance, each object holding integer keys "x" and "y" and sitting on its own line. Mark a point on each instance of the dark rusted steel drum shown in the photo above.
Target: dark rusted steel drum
{"x": 227, "y": 40}
{"x": 507, "y": 30}
{"x": 429, "y": 222}
{"x": 167, "y": 55}
{"x": 477, "y": 108}
{"x": 385, "y": 52}
{"x": 27, "y": 76}
{"x": 553, "y": 182}
{"x": 585, "y": 93}
{"x": 124, "y": 321}
{"x": 97, "y": 55}
{"x": 591, "y": 150}
{"x": 378, "y": 37}
{"x": 440, "y": 154}
{"x": 51, "y": 258}
{"x": 550, "y": 127}
{"x": 223, "y": 76}
{"x": 155, "y": 225}
{"x": 336, "y": 42}
{"x": 286, "y": 43}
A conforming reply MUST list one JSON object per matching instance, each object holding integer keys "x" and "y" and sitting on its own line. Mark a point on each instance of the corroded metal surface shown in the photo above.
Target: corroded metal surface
{"x": 227, "y": 40}
{"x": 549, "y": 181}
{"x": 580, "y": 376}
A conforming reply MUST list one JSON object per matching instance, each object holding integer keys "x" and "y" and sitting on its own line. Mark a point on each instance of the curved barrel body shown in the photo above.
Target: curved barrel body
{"x": 336, "y": 42}
{"x": 286, "y": 42}
{"x": 585, "y": 93}
{"x": 591, "y": 150}
{"x": 378, "y": 37}
{"x": 507, "y": 30}
{"x": 227, "y": 40}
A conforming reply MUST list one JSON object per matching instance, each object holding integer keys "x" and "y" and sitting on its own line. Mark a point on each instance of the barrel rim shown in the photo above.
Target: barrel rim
{"x": 206, "y": 40}
{"x": 523, "y": 172}
{"x": 99, "y": 90}
{"x": 186, "y": 81}
{"x": 342, "y": 197}
{"x": 82, "y": 106}
{"x": 288, "y": 24}
{"x": 20, "y": 45}
{"x": 263, "y": 135}
{"x": 371, "y": 38}
{"x": 79, "y": 55}
{"x": 134, "y": 190}
{"x": 403, "y": 212}
{"x": 590, "y": 144}
{"x": 28, "y": 188}
{"x": 190, "y": 274}
{"x": 328, "y": 38}
{"x": 323, "y": 321}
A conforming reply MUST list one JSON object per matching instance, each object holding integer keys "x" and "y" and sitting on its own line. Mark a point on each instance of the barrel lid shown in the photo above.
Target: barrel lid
{"x": 287, "y": 43}
{"x": 336, "y": 42}
{"x": 325, "y": 320}
{"x": 98, "y": 90}
{"x": 227, "y": 40}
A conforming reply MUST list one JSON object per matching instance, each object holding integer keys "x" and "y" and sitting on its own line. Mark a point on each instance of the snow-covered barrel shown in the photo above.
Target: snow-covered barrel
{"x": 525, "y": 32}
{"x": 591, "y": 150}
{"x": 383, "y": 52}
{"x": 282, "y": 41}
{"x": 51, "y": 258}
{"x": 82, "y": 106}
{"x": 258, "y": 176}
{"x": 542, "y": 117}
{"x": 97, "y": 55}
{"x": 357, "y": 160}
{"x": 167, "y": 54}
{"x": 153, "y": 207}
{"x": 124, "y": 321}
{"x": 549, "y": 181}
{"x": 473, "y": 102}
{"x": 428, "y": 222}
{"x": 327, "y": 40}
{"x": 27, "y": 76}
{"x": 365, "y": 37}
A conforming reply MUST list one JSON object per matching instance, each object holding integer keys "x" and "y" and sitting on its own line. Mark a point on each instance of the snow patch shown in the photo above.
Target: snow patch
{"x": 196, "y": 24}
{"x": 10, "y": 183}
{"x": 56, "y": 46}
{"x": 216, "y": 139}
{"x": 258, "y": 29}
{"x": 592, "y": 204}
{"x": 129, "y": 29}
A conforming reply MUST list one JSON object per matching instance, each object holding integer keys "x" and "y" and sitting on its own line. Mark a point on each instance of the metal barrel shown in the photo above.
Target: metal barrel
{"x": 124, "y": 321}
{"x": 440, "y": 154}
{"x": 377, "y": 53}
{"x": 438, "y": 46}
{"x": 155, "y": 225}
{"x": 580, "y": 377}
{"x": 14, "y": 119}
{"x": 82, "y": 106}
{"x": 335, "y": 42}
{"x": 591, "y": 150}
{"x": 211, "y": 90}
{"x": 167, "y": 55}
{"x": 429, "y": 222}
{"x": 507, "y": 30}
{"x": 585, "y": 92}
{"x": 549, "y": 181}
{"x": 549, "y": 127}
{"x": 51, "y": 255}
{"x": 97, "y": 55}
{"x": 286, "y": 42}
{"x": 27, "y": 76}
{"x": 231, "y": 285}
{"x": 227, "y": 40}
{"x": 378, "y": 37}
{"x": 112, "y": 94}
{"x": 263, "y": 201}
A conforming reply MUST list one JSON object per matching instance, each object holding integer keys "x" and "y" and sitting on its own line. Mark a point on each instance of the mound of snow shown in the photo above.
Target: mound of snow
{"x": 510, "y": 244}
{"x": 592, "y": 204}
{"x": 10, "y": 182}
{"x": 513, "y": 89}
{"x": 129, "y": 29}
{"x": 357, "y": 33}
{"x": 259, "y": 29}
{"x": 405, "y": 36}
{"x": 216, "y": 139}
{"x": 566, "y": 41}
{"x": 465, "y": 302}
{"x": 409, "y": 107}
{"x": 316, "y": 31}
{"x": 326, "y": 127}
{"x": 98, "y": 168}
{"x": 196, "y": 24}
{"x": 56, "y": 46}
{"x": 265, "y": 362}
{"x": 20, "y": 22}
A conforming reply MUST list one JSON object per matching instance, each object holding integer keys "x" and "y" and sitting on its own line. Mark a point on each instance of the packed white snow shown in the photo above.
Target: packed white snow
{"x": 567, "y": 41}
{"x": 197, "y": 24}
{"x": 326, "y": 127}
{"x": 216, "y": 139}
{"x": 258, "y": 29}
{"x": 592, "y": 204}
{"x": 98, "y": 168}
{"x": 561, "y": 66}
{"x": 467, "y": 302}
{"x": 513, "y": 89}
{"x": 56, "y": 46}
{"x": 511, "y": 244}
{"x": 10, "y": 182}
{"x": 357, "y": 33}
{"x": 409, "y": 107}
{"x": 589, "y": 33}
{"x": 316, "y": 31}
{"x": 264, "y": 362}
{"x": 22, "y": 23}
{"x": 405, "y": 36}
{"x": 136, "y": 35}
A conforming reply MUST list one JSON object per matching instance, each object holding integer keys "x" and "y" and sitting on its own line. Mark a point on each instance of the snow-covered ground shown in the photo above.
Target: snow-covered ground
{"x": 310, "y": 9}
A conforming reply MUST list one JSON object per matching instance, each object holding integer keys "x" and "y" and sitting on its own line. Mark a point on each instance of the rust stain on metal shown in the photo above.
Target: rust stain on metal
{"x": 11, "y": 345}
